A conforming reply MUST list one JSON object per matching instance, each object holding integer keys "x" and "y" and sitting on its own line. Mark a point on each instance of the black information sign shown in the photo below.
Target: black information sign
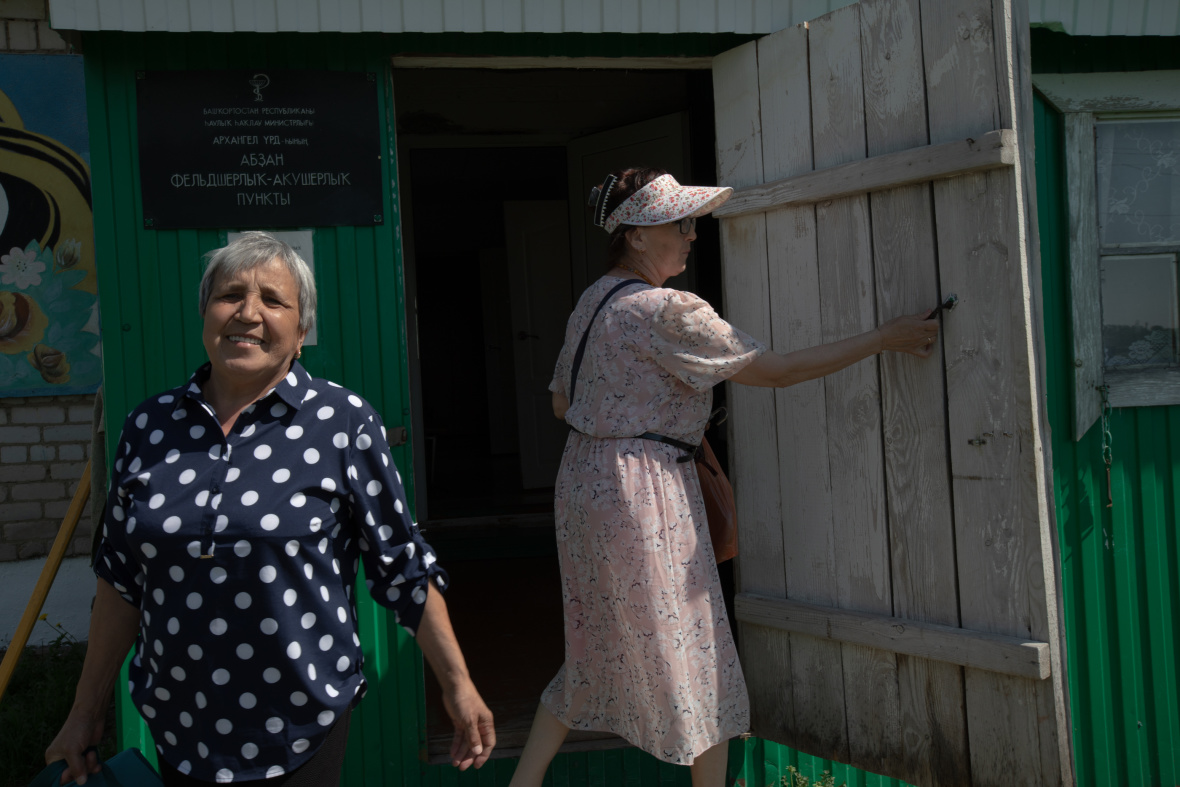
{"x": 267, "y": 148}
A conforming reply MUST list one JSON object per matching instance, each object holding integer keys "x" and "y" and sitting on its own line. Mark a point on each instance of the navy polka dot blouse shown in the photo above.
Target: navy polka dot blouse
{"x": 241, "y": 553}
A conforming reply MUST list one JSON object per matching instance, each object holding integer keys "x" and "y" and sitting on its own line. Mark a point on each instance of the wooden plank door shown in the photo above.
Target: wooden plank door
{"x": 897, "y": 602}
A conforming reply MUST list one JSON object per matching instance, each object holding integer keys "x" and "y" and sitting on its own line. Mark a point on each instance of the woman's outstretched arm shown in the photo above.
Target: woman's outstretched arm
{"x": 912, "y": 334}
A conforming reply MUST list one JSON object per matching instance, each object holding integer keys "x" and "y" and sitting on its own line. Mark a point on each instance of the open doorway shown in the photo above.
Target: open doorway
{"x": 494, "y": 167}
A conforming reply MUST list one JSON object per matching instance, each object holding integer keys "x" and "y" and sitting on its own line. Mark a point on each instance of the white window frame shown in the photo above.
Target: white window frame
{"x": 1084, "y": 99}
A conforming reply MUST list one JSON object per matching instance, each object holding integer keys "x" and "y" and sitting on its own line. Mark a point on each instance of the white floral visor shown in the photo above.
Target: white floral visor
{"x": 664, "y": 200}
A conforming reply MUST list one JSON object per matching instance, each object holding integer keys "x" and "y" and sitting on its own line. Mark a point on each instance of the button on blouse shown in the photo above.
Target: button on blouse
{"x": 241, "y": 552}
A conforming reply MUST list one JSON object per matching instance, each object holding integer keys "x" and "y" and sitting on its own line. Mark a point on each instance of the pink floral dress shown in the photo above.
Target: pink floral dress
{"x": 649, "y": 654}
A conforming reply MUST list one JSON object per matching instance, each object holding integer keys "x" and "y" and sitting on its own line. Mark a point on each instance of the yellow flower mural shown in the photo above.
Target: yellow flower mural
{"x": 22, "y": 323}
{"x": 49, "y": 339}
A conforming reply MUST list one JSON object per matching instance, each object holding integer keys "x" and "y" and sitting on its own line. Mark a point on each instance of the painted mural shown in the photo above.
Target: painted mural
{"x": 49, "y": 335}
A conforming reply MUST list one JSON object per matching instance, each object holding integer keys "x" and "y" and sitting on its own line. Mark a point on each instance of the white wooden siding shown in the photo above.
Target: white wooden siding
{"x": 1077, "y": 17}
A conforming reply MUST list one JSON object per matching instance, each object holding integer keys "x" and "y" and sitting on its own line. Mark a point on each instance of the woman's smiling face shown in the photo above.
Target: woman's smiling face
{"x": 251, "y": 327}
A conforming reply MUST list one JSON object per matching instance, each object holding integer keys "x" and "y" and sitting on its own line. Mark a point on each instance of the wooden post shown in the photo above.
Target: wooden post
{"x": 65, "y": 534}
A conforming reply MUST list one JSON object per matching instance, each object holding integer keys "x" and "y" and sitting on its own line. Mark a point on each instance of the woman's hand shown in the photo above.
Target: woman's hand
{"x": 475, "y": 732}
{"x": 913, "y": 334}
{"x": 78, "y": 734}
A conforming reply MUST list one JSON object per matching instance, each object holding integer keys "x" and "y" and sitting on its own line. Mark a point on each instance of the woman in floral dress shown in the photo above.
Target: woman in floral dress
{"x": 649, "y": 652}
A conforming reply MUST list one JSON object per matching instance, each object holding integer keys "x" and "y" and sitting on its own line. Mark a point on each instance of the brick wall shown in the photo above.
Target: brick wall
{"x": 44, "y": 445}
{"x": 26, "y": 27}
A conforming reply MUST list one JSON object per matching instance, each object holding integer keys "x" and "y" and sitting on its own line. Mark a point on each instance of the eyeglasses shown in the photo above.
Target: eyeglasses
{"x": 686, "y": 224}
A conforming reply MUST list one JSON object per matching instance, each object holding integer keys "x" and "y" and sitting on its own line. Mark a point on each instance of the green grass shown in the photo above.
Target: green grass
{"x": 36, "y": 703}
{"x": 796, "y": 779}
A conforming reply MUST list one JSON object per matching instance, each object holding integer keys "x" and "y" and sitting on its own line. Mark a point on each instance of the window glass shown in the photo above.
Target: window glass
{"x": 1139, "y": 183}
{"x": 1140, "y": 311}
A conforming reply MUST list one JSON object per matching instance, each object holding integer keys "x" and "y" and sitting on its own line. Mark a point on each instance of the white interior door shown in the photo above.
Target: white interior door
{"x": 538, "y": 244}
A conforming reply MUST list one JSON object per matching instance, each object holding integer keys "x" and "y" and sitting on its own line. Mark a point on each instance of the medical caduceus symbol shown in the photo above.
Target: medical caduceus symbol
{"x": 258, "y": 82}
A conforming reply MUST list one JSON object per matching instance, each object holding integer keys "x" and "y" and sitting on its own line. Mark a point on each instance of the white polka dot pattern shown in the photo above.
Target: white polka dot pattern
{"x": 242, "y": 551}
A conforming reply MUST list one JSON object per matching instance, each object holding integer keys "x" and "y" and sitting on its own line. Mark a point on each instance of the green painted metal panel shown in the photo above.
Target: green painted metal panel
{"x": 1119, "y": 551}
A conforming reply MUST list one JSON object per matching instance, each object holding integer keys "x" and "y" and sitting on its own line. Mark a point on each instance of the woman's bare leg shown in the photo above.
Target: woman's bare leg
{"x": 708, "y": 768}
{"x": 545, "y": 738}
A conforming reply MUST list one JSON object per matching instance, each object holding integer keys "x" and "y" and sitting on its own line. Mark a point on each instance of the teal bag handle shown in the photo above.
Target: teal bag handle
{"x": 50, "y": 776}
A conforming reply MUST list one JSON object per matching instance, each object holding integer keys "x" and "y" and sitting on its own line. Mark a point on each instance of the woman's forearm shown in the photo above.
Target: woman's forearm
{"x": 560, "y": 405}
{"x": 913, "y": 334}
{"x": 437, "y": 640}
{"x": 777, "y": 371}
{"x": 475, "y": 731}
{"x": 113, "y": 626}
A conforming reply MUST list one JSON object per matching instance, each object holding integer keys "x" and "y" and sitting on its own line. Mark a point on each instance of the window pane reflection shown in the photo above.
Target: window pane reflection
{"x": 1140, "y": 311}
{"x": 1139, "y": 182}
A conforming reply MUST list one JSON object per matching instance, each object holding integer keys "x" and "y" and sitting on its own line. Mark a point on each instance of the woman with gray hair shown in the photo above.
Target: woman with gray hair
{"x": 241, "y": 506}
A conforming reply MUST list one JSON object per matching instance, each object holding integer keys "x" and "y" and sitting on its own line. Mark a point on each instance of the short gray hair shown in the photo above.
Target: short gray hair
{"x": 258, "y": 248}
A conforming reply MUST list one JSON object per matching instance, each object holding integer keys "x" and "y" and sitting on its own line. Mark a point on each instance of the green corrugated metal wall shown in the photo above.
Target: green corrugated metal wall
{"x": 1120, "y": 565}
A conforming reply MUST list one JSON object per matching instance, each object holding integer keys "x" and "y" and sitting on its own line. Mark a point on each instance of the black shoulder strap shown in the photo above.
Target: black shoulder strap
{"x": 582, "y": 345}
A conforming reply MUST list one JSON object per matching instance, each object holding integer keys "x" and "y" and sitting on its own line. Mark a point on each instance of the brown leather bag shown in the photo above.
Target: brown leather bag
{"x": 719, "y": 505}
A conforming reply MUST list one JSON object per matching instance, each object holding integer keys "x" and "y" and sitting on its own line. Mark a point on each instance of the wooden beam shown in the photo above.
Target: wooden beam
{"x": 65, "y": 536}
{"x": 1121, "y": 91}
{"x": 515, "y": 63}
{"x": 872, "y": 728}
{"x": 931, "y": 162}
{"x": 980, "y": 650}
{"x": 1143, "y": 387}
{"x": 437, "y": 751}
{"x": 913, "y": 402}
{"x": 1085, "y": 283}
